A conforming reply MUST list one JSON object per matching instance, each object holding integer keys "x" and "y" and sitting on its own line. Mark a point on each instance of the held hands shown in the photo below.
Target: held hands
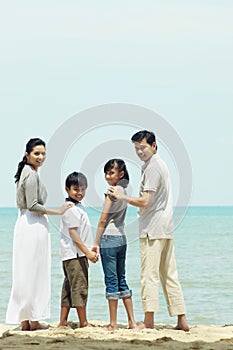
{"x": 92, "y": 256}
{"x": 96, "y": 249}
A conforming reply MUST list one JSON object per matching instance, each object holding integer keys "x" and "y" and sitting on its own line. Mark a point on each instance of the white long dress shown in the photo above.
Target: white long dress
{"x": 31, "y": 270}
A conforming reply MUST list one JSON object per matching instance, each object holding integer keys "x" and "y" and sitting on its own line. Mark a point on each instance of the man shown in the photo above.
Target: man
{"x": 156, "y": 230}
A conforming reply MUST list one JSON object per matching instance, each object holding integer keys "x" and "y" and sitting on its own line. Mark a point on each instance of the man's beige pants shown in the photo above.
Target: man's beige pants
{"x": 158, "y": 265}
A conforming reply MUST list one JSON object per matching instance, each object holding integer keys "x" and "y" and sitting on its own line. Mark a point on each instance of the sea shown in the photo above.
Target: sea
{"x": 204, "y": 255}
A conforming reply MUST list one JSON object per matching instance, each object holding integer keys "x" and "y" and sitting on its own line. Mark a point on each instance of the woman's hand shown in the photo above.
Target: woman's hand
{"x": 65, "y": 206}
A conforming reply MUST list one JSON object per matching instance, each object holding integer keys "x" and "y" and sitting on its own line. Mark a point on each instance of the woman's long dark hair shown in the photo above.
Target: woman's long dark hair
{"x": 29, "y": 147}
{"x": 120, "y": 164}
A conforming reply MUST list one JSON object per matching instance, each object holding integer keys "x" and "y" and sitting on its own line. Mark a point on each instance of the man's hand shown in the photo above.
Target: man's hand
{"x": 116, "y": 192}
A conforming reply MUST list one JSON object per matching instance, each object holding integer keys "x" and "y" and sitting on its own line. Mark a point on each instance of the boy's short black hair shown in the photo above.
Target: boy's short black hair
{"x": 77, "y": 179}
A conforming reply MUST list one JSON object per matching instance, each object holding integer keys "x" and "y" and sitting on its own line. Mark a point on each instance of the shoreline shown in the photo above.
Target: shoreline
{"x": 97, "y": 337}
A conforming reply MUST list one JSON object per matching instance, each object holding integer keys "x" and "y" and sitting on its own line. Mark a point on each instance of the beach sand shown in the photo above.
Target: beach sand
{"x": 97, "y": 337}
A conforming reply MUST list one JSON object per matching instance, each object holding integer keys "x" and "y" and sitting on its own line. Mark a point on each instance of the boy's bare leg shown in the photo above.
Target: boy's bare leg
{"x": 182, "y": 323}
{"x": 129, "y": 309}
{"x": 112, "y": 305}
{"x": 82, "y": 316}
{"x": 64, "y": 316}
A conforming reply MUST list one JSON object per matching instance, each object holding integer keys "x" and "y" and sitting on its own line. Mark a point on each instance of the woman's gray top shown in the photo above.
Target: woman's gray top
{"x": 31, "y": 193}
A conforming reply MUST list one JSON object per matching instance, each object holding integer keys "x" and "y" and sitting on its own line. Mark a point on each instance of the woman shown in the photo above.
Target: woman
{"x": 111, "y": 239}
{"x": 30, "y": 294}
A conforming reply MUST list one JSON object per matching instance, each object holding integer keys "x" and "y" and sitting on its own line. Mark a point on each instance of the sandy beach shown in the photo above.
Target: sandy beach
{"x": 97, "y": 337}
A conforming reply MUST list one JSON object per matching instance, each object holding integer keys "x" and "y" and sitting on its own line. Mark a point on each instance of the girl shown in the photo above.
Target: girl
{"x": 30, "y": 294}
{"x": 111, "y": 239}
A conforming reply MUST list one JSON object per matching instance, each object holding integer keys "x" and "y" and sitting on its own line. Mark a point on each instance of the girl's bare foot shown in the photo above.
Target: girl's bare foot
{"x": 25, "y": 325}
{"x": 133, "y": 326}
{"x": 63, "y": 324}
{"x": 141, "y": 326}
{"x": 86, "y": 324}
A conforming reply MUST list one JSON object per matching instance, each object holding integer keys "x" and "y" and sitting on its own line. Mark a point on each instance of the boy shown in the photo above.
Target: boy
{"x": 75, "y": 249}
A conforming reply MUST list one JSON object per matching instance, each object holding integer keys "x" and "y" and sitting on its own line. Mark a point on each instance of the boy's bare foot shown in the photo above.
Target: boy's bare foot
{"x": 111, "y": 327}
{"x": 182, "y": 324}
{"x": 25, "y": 325}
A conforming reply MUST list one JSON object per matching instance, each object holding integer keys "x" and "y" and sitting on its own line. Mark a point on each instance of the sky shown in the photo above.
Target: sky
{"x": 60, "y": 58}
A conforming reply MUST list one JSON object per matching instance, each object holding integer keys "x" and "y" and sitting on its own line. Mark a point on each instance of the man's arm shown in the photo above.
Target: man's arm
{"x": 92, "y": 256}
{"x": 142, "y": 202}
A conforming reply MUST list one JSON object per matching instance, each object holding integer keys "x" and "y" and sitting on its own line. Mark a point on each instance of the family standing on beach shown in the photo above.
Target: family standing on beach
{"x": 30, "y": 295}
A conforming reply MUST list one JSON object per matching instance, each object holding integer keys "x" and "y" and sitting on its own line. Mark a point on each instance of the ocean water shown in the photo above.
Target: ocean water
{"x": 203, "y": 248}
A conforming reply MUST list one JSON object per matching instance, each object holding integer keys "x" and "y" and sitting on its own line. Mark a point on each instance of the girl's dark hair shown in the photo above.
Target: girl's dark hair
{"x": 76, "y": 179}
{"x": 29, "y": 147}
{"x": 120, "y": 164}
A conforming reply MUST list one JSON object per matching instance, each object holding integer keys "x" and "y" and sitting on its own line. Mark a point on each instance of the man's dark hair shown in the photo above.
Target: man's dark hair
{"x": 144, "y": 134}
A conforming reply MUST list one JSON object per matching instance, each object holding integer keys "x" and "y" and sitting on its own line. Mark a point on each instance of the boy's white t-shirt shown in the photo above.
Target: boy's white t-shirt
{"x": 75, "y": 216}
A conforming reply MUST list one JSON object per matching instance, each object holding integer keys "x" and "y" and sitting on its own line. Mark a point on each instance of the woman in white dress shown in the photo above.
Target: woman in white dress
{"x": 31, "y": 266}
